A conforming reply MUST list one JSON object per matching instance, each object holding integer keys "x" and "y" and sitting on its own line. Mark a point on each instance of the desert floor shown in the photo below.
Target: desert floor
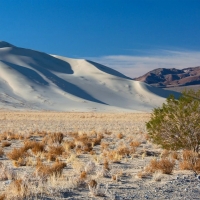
{"x": 92, "y": 156}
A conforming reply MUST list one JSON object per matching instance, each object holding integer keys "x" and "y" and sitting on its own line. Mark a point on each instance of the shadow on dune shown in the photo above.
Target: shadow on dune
{"x": 160, "y": 92}
{"x": 108, "y": 70}
{"x": 42, "y": 59}
{"x": 66, "y": 86}
{"x": 28, "y": 73}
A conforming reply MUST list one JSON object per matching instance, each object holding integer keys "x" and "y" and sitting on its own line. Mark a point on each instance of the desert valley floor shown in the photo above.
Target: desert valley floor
{"x": 52, "y": 155}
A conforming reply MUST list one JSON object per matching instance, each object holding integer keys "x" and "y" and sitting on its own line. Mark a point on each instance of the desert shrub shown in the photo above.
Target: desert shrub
{"x": 176, "y": 124}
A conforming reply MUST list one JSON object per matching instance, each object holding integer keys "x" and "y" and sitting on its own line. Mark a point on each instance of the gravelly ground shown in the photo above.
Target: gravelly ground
{"x": 178, "y": 185}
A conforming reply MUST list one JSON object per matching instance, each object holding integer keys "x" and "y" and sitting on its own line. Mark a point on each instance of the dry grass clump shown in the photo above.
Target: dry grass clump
{"x": 20, "y": 162}
{"x": 4, "y": 136}
{"x": 165, "y": 153}
{"x": 53, "y": 138}
{"x": 11, "y": 136}
{"x": 5, "y": 144}
{"x": 164, "y": 165}
{"x": 18, "y": 189}
{"x": 37, "y": 147}
{"x": 142, "y": 174}
{"x": 135, "y": 144}
{"x": 2, "y": 196}
{"x": 68, "y": 145}
{"x": 120, "y": 135}
{"x": 83, "y": 175}
{"x": 104, "y": 145}
{"x": 108, "y": 132}
{"x": 6, "y": 173}
{"x": 113, "y": 156}
{"x": 55, "y": 150}
{"x": 123, "y": 151}
{"x": 190, "y": 161}
{"x": 45, "y": 171}
{"x": 174, "y": 155}
{"x": 15, "y": 154}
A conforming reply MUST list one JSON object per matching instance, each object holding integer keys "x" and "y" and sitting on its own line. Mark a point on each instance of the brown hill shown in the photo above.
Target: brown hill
{"x": 163, "y": 77}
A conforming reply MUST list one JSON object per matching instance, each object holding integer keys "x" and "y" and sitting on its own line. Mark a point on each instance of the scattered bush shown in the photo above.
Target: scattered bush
{"x": 176, "y": 125}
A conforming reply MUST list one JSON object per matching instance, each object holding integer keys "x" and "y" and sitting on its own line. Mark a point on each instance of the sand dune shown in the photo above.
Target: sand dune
{"x": 33, "y": 80}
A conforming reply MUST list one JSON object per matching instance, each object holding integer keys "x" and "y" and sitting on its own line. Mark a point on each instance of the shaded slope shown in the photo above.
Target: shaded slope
{"x": 163, "y": 77}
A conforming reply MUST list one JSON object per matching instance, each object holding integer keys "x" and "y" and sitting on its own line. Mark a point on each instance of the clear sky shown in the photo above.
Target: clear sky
{"x": 132, "y": 36}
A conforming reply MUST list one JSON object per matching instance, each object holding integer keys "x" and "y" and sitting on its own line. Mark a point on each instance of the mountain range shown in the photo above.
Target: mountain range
{"x": 166, "y": 78}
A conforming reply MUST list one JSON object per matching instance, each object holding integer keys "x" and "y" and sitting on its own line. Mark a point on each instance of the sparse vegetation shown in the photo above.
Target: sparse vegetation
{"x": 47, "y": 164}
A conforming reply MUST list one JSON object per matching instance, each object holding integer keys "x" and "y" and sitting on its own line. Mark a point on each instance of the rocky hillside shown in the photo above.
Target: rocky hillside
{"x": 163, "y": 77}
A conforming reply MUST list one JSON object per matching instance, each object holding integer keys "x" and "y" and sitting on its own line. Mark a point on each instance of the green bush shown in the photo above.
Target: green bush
{"x": 176, "y": 124}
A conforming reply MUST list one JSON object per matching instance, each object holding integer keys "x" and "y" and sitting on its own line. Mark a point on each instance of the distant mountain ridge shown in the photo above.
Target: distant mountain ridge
{"x": 163, "y": 77}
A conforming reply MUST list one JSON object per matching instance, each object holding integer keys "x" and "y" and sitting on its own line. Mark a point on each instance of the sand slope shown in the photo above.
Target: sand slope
{"x": 35, "y": 80}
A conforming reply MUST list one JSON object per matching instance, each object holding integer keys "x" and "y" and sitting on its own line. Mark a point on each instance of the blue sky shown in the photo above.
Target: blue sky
{"x": 132, "y": 36}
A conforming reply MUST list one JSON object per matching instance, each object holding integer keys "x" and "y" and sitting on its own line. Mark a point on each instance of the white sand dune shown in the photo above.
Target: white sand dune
{"x": 37, "y": 81}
